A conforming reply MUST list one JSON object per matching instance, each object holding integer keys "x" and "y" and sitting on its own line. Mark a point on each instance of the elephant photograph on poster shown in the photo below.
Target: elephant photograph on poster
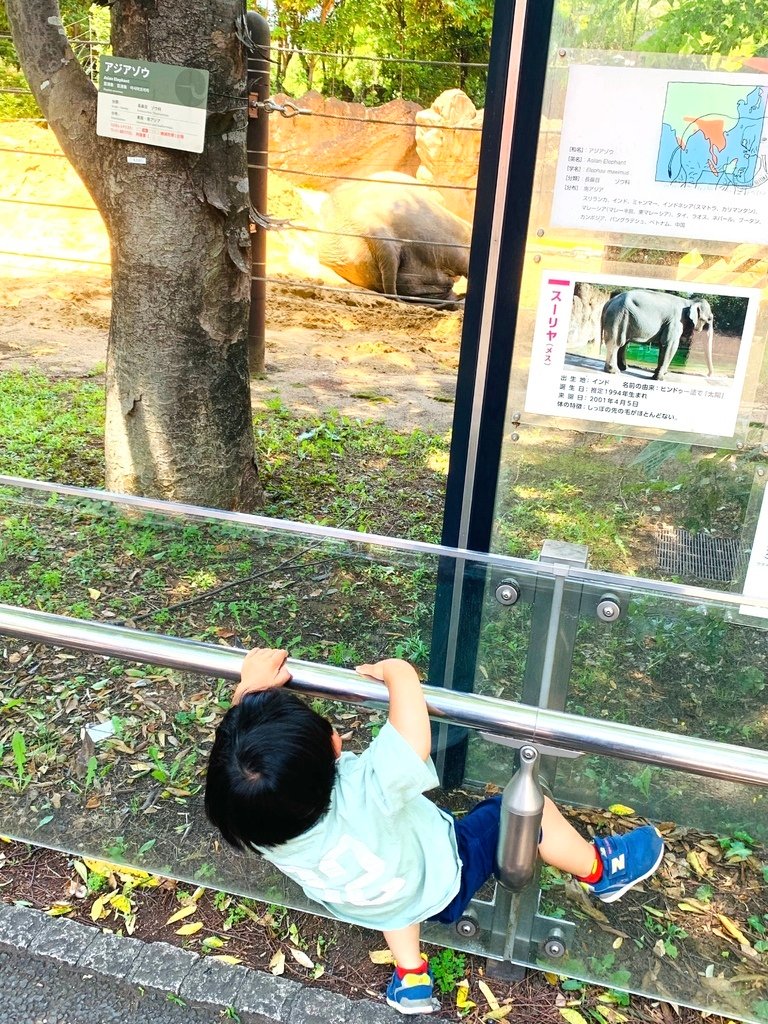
{"x": 655, "y": 333}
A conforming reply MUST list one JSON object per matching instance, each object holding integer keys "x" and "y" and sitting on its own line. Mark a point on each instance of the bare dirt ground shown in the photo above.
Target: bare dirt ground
{"x": 326, "y": 348}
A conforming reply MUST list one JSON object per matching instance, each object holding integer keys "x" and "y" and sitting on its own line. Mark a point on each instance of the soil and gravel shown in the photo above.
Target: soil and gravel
{"x": 327, "y": 345}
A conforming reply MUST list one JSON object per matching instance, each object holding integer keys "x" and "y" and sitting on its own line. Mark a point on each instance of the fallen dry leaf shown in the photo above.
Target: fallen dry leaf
{"x": 490, "y": 998}
{"x": 573, "y": 1016}
{"x": 301, "y": 957}
{"x": 277, "y": 963}
{"x": 187, "y": 911}
{"x": 463, "y": 1002}
{"x": 190, "y": 929}
{"x": 381, "y": 956}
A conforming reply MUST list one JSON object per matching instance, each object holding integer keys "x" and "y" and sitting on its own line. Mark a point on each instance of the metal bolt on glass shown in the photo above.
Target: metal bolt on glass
{"x": 555, "y": 946}
{"x": 508, "y": 592}
{"x": 468, "y": 925}
{"x": 608, "y": 609}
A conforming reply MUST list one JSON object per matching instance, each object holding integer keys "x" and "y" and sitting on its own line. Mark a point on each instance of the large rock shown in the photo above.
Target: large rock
{"x": 448, "y": 144}
{"x": 341, "y": 138}
{"x": 584, "y": 325}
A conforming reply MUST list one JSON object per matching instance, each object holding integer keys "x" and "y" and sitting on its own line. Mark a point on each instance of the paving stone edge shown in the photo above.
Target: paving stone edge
{"x": 165, "y": 968}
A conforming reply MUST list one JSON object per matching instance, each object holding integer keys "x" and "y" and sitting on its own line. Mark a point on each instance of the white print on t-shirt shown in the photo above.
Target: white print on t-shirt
{"x": 353, "y": 860}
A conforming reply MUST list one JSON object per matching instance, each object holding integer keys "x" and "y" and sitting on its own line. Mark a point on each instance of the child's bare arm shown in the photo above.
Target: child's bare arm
{"x": 407, "y": 707}
{"x": 263, "y": 668}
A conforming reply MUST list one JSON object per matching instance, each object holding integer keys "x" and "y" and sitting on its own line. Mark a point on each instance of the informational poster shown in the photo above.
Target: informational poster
{"x": 641, "y": 352}
{"x": 680, "y": 154}
{"x": 156, "y": 104}
{"x": 756, "y": 581}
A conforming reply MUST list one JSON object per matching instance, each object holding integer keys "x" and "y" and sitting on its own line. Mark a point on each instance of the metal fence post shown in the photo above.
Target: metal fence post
{"x": 257, "y": 148}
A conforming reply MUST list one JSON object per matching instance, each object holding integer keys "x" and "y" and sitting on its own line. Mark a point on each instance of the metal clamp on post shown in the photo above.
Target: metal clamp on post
{"x": 287, "y": 109}
{"x": 522, "y": 806}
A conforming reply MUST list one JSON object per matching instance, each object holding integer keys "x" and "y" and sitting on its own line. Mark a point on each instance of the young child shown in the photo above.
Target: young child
{"x": 355, "y": 831}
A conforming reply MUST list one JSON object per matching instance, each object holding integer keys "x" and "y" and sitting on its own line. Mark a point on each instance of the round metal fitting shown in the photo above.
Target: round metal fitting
{"x": 608, "y": 608}
{"x": 514, "y": 437}
{"x": 554, "y": 947}
{"x": 467, "y": 926}
{"x": 508, "y": 592}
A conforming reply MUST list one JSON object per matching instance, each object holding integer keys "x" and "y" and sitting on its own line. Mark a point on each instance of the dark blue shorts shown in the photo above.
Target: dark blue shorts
{"x": 477, "y": 837}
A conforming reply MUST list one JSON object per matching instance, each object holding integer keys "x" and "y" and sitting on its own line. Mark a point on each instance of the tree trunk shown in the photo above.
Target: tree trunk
{"x": 178, "y": 418}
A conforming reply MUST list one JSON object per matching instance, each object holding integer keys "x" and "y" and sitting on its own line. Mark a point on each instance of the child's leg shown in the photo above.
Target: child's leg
{"x": 562, "y": 846}
{"x": 411, "y": 988}
{"x": 610, "y": 865}
{"x": 405, "y": 946}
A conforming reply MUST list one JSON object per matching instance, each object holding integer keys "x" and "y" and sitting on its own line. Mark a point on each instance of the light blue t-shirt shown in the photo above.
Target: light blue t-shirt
{"x": 384, "y": 856}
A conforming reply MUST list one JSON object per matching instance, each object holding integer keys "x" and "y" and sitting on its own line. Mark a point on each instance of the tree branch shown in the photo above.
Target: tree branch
{"x": 62, "y": 89}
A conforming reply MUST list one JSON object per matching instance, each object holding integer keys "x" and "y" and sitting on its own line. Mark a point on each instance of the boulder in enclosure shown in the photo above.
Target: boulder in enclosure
{"x": 584, "y": 326}
{"x": 342, "y": 139}
{"x": 448, "y": 138}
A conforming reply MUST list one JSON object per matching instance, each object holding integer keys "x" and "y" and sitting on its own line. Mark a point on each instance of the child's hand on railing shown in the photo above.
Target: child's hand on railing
{"x": 389, "y": 670}
{"x": 263, "y": 668}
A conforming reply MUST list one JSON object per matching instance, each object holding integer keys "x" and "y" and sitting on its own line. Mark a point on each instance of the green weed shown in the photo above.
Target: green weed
{"x": 448, "y": 968}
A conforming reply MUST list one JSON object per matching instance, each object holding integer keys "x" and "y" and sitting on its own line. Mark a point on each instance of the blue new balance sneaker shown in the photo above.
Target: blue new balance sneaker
{"x": 413, "y": 993}
{"x": 627, "y": 860}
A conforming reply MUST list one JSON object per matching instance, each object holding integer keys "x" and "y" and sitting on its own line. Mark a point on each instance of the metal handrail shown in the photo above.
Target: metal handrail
{"x": 474, "y": 711}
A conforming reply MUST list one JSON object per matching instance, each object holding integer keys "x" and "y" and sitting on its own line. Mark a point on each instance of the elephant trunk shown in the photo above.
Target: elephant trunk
{"x": 708, "y": 349}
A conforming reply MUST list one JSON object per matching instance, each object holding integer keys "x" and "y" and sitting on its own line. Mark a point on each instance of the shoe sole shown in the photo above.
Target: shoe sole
{"x": 612, "y": 897}
{"x": 411, "y": 1010}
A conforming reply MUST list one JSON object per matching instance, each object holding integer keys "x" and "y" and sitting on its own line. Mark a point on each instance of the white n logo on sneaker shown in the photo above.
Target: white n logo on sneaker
{"x": 617, "y": 863}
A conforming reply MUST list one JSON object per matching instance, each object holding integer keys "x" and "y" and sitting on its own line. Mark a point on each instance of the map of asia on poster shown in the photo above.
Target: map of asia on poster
{"x": 679, "y": 154}
{"x": 641, "y": 352}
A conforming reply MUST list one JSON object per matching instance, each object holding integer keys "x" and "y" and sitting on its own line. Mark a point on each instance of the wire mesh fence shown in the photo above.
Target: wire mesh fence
{"x": 338, "y": 115}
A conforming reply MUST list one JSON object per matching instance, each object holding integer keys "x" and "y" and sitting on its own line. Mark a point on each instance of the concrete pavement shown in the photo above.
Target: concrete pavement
{"x": 57, "y": 971}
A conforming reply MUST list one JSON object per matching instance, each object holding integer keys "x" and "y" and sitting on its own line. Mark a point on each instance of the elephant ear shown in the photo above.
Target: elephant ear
{"x": 691, "y": 317}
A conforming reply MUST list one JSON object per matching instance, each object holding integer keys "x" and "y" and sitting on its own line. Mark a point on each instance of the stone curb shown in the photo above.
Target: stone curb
{"x": 165, "y": 968}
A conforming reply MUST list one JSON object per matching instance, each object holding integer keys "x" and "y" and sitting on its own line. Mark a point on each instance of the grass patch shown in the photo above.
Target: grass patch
{"x": 52, "y": 430}
{"x": 331, "y": 470}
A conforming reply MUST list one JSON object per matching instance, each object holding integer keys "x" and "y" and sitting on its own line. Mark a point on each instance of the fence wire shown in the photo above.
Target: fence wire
{"x": 85, "y": 51}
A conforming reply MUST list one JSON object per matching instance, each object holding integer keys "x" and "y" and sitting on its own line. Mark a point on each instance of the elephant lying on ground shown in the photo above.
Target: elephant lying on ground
{"x": 396, "y": 238}
{"x": 653, "y": 316}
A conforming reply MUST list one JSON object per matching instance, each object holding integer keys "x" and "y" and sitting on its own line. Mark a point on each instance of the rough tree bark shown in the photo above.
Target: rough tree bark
{"x": 178, "y": 417}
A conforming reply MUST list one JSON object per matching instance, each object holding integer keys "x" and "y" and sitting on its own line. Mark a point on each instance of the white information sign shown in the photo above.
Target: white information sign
{"x": 681, "y": 154}
{"x": 568, "y": 376}
{"x": 756, "y": 582}
{"x": 155, "y": 104}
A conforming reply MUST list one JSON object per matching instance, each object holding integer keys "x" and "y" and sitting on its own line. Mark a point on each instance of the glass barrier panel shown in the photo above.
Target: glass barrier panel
{"x": 105, "y": 757}
{"x": 695, "y": 932}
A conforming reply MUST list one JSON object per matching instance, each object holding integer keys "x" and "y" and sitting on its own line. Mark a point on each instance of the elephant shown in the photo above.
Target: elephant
{"x": 395, "y": 237}
{"x": 639, "y": 315}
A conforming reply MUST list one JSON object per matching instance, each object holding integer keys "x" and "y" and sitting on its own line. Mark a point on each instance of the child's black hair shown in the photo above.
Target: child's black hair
{"x": 271, "y": 770}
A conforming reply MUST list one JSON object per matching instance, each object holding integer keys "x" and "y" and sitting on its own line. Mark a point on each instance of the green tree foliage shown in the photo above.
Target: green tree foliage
{"x": 87, "y": 27}
{"x": 738, "y": 27}
{"x": 15, "y": 98}
{"x": 385, "y": 48}
{"x": 606, "y": 24}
